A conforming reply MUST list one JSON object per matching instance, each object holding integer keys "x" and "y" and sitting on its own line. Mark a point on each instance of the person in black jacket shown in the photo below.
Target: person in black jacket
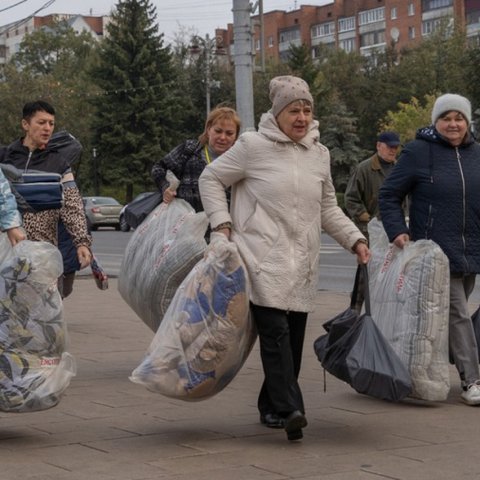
{"x": 187, "y": 160}
{"x": 35, "y": 152}
{"x": 440, "y": 171}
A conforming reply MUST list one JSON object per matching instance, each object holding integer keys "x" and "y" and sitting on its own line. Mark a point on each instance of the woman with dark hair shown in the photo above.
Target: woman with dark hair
{"x": 35, "y": 152}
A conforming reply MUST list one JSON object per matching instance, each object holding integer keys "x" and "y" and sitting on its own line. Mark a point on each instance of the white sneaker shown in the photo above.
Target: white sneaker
{"x": 471, "y": 396}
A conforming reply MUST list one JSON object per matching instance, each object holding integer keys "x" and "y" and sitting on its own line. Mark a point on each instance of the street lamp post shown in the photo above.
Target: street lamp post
{"x": 206, "y": 46}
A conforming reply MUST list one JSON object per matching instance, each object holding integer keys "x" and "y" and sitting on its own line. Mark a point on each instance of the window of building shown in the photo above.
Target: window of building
{"x": 473, "y": 17}
{"x": 411, "y": 9}
{"x": 371, "y": 16}
{"x": 372, "y": 38}
{"x": 428, "y": 5}
{"x": 393, "y": 13}
{"x": 348, "y": 45}
{"x": 429, "y": 26}
{"x": 289, "y": 36}
{"x": 323, "y": 29}
{"x": 411, "y": 33}
{"x": 270, "y": 41}
{"x": 257, "y": 44}
{"x": 346, "y": 24}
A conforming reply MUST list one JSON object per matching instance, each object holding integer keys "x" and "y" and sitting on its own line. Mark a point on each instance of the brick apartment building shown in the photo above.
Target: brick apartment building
{"x": 12, "y": 34}
{"x": 365, "y": 26}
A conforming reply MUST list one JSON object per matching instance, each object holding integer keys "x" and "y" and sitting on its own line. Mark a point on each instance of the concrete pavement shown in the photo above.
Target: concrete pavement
{"x": 107, "y": 428}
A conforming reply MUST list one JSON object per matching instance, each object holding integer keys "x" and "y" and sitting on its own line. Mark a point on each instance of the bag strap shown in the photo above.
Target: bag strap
{"x": 364, "y": 270}
{"x": 353, "y": 299}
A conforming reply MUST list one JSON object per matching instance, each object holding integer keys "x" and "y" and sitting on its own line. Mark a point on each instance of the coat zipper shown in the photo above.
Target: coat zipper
{"x": 30, "y": 153}
{"x": 295, "y": 215}
{"x": 464, "y": 221}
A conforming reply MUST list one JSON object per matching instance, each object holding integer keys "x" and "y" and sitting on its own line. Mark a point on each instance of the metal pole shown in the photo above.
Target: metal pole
{"x": 242, "y": 38}
{"x": 207, "y": 70}
{"x": 96, "y": 188}
{"x": 262, "y": 36}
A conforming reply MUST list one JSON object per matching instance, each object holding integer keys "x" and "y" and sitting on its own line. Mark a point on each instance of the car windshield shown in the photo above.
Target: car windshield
{"x": 104, "y": 201}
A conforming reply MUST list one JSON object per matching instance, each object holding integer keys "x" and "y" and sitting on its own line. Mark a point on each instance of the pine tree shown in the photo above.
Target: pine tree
{"x": 339, "y": 134}
{"x": 137, "y": 113}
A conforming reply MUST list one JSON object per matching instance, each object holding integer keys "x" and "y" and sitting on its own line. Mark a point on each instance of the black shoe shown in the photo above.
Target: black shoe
{"x": 295, "y": 435}
{"x": 271, "y": 420}
{"x": 293, "y": 425}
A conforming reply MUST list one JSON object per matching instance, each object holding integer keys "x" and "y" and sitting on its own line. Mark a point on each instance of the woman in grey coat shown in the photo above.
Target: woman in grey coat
{"x": 282, "y": 197}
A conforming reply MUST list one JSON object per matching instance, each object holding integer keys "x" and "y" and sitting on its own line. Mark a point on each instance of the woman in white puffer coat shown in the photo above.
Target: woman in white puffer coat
{"x": 282, "y": 198}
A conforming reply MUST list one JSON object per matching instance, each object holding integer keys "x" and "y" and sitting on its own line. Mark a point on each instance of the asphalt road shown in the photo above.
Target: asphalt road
{"x": 337, "y": 266}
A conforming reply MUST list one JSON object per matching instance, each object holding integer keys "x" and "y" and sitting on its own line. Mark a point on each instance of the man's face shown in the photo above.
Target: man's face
{"x": 38, "y": 130}
{"x": 387, "y": 153}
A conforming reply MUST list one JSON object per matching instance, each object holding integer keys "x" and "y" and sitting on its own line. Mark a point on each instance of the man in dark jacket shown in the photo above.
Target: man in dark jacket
{"x": 440, "y": 172}
{"x": 361, "y": 195}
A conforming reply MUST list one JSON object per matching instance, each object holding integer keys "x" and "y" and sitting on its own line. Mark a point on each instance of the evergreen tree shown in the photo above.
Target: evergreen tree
{"x": 301, "y": 63}
{"x": 339, "y": 134}
{"x": 138, "y": 114}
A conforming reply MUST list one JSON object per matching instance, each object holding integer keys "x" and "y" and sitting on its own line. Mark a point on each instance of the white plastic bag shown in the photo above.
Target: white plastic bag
{"x": 35, "y": 368}
{"x": 409, "y": 290}
{"x": 207, "y": 332}
{"x": 160, "y": 254}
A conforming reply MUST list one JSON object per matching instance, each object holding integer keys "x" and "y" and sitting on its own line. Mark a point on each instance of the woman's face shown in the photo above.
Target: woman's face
{"x": 38, "y": 129}
{"x": 453, "y": 126}
{"x": 294, "y": 120}
{"x": 222, "y": 135}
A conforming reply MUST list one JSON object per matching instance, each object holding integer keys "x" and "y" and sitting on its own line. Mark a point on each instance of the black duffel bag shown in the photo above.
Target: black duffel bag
{"x": 137, "y": 210}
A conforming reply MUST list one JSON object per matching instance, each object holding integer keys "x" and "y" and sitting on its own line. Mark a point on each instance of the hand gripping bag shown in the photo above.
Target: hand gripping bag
{"x": 35, "y": 368}
{"x": 207, "y": 332}
{"x": 410, "y": 305}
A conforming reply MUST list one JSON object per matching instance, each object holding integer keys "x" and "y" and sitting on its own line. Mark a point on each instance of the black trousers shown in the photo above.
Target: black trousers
{"x": 281, "y": 336}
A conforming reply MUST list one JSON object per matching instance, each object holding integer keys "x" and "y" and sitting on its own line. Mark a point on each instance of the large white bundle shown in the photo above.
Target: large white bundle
{"x": 410, "y": 304}
{"x": 207, "y": 332}
{"x": 160, "y": 254}
{"x": 35, "y": 368}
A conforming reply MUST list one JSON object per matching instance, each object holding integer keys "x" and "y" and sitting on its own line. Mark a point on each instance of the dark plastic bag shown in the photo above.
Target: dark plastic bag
{"x": 138, "y": 210}
{"x": 341, "y": 322}
{"x": 355, "y": 351}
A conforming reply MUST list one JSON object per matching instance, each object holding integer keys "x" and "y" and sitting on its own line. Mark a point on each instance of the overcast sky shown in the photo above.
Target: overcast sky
{"x": 203, "y": 15}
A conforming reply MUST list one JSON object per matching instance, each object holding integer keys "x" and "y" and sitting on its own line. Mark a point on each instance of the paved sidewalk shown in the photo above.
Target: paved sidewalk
{"x": 107, "y": 428}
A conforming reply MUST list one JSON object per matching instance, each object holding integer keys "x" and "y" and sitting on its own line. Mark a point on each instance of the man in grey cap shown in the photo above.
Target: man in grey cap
{"x": 361, "y": 195}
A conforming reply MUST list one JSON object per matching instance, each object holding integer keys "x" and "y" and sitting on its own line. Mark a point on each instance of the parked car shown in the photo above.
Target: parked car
{"x": 124, "y": 226}
{"x": 102, "y": 212}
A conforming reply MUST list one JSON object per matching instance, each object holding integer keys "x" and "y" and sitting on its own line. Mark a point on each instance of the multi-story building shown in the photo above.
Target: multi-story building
{"x": 11, "y": 35}
{"x": 364, "y": 26}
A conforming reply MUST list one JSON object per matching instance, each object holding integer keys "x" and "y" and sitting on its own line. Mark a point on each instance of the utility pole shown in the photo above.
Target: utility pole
{"x": 96, "y": 187}
{"x": 208, "y": 81}
{"x": 242, "y": 38}
{"x": 262, "y": 36}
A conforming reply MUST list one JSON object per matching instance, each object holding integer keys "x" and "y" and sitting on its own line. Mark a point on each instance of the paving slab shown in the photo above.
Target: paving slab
{"x": 107, "y": 428}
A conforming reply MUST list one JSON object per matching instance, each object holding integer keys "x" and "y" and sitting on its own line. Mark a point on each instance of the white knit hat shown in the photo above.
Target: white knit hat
{"x": 449, "y": 102}
{"x": 287, "y": 89}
